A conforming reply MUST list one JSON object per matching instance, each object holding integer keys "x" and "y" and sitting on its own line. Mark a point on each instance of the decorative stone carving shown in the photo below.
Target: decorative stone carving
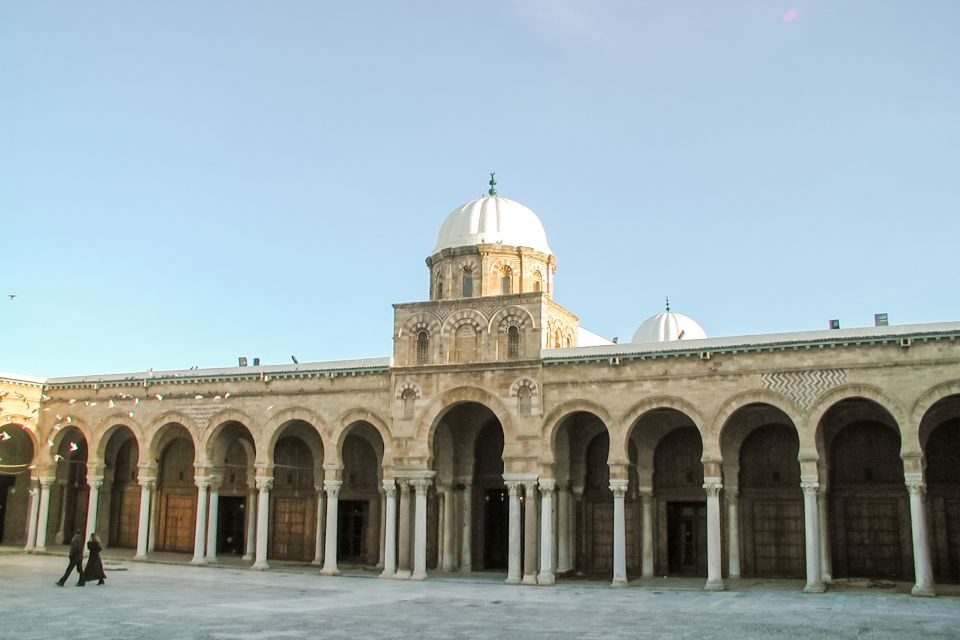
{"x": 803, "y": 387}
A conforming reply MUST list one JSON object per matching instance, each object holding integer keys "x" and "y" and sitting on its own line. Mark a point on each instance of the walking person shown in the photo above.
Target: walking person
{"x": 94, "y": 569}
{"x": 76, "y": 559}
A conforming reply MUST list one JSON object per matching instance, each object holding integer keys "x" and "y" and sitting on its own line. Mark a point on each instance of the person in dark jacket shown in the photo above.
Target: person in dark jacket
{"x": 94, "y": 569}
{"x": 76, "y": 559}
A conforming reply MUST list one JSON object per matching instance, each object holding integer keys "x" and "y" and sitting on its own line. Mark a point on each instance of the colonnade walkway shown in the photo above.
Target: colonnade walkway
{"x": 119, "y": 556}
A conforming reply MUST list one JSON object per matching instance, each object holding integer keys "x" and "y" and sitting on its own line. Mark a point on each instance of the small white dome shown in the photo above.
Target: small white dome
{"x": 667, "y": 327}
{"x": 489, "y": 220}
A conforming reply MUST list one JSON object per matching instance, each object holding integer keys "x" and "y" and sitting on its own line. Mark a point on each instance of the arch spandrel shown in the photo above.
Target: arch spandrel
{"x": 554, "y": 419}
{"x": 110, "y": 425}
{"x": 343, "y": 426}
{"x": 921, "y": 408}
{"x": 859, "y": 392}
{"x": 275, "y": 425}
{"x": 55, "y": 436}
{"x": 433, "y": 414}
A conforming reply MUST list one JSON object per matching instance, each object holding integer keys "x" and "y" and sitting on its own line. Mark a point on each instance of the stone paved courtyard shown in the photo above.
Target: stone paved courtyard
{"x": 171, "y": 602}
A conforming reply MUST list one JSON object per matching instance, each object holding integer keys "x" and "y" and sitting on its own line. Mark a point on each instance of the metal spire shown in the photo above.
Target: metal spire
{"x": 493, "y": 184}
{"x": 668, "y": 304}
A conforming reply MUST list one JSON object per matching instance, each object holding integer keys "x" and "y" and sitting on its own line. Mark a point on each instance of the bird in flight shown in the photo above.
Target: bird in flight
{"x": 12, "y": 296}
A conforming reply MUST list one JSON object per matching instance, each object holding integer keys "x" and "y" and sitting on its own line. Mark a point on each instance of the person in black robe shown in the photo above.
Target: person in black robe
{"x": 76, "y": 559}
{"x": 94, "y": 570}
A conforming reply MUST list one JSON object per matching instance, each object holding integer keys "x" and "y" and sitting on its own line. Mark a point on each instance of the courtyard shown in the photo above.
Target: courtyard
{"x": 171, "y": 601}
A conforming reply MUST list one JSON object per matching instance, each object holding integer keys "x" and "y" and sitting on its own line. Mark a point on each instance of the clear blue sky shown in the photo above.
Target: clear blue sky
{"x": 184, "y": 182}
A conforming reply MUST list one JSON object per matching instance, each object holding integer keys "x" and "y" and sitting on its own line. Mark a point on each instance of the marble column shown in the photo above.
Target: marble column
{"x": 420, "y": 530}
{"x": 530, "y": 533}
{"x": 43, "y": 513}
{"x": 619, "y": 489}
{"x": 200, "y": 529}
{"x": 923, "y": 569}
{"x": 382, "y": 511}
{"x": 576, "y": 527}
{"x": 264, "y": 484}
{"x": 733, "y": 533}
{"x": 448, "y": 529}
{"x": 826, "y": 563}
{"x": 546, "y": 575}
{"x": 403, "y": 571}
{"x": 332, "y": 532}
{"x": 466, "y": 542}
{"x": 646, "y": 568}
{"x": 93, "y": 506}
{"x": 714, "y": 562}
{"x": 811, "y": 536}
{"x": 390, "y": 535}
{"x": 213, "y": 520}
{"x": 563, "y": 530}
{"x": 249, "y": 547}
{"x": 513, "y": 557}
{"x": 152, "y": 529}
{"x": 143, "y": 530}
{"x": 318, "y": 542}
{"x": 32, "y": 522}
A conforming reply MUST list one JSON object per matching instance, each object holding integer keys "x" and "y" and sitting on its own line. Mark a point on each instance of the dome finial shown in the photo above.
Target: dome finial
{"x": 493, "y": 184}
{"x": 668, "y": 304}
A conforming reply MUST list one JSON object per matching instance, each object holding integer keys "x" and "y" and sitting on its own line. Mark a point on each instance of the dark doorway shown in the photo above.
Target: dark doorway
{"x": 496, "y": 531}
{"x": 5, "y": 483}
{"x": 352, "y": 522}
{"x": 230, "y": 518}
{"x": 687, "y": 538}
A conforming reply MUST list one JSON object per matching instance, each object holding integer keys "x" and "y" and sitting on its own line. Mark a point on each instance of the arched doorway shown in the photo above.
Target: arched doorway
{"x": 16, "y": 456}
{"x": 231, "y": 452}
{"x": 120, "y": 496}
{"x": 297, "y": 479}
{"x": 176, "y": 492}
{"x": 869, "y": 508}
{"x": 940, "y": 431}
{"x": 359, "y": 506}
{"x": 468, "y": 459}
{"x": 70, "y": 494}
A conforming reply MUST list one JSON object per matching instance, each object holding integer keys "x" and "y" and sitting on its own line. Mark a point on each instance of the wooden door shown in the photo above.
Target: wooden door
{"x": 952, "y": 511}
{"x": 687, "y": 538}
{"x": 293, "y": 528}
{"x": 873, "y": 538}
{"x": 177, "y": 522}
{"x": 778, "y": 544}
{"x": 127, "y": 522}
{"x": 599, "y": 523}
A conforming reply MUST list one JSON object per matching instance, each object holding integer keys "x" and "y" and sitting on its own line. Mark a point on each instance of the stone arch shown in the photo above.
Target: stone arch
{"x": 408, "y": 385}
{"x": 553, "y": 420}
{"x": 640, "y": 409}
{"x": 455, "y": 320}
{"x": 923, "y": 405}
{"x": 427, "y": 425}
{"x": 108, "y": 426}
{"x": 423, "y": 320}
{"x": 57, "y": 432}
{"x": 343, "y": 426}
{"x": 22, "y": 424}
{"x": 215, "y": 425}
{"x": 721, "y": 418}
{"x": 275, "y": 425}
{"x": 158, "y": 429}
{"x": 507, "y": 316}
{"x": 853, "y": 392}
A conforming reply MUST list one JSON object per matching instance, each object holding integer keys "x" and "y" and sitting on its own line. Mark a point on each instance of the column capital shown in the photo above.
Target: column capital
{"x": 548, "y": 485}
{"x": 215, "y": 483}
{"x": 810, "y": 487}
{"x": 732, "y": 493}
{"x": 421, "y": 485}
{"x": 95, "y": 482}
{"x": 264, "y": 483}
{"x": 916, "y": 486}
{"x": 513, "y": 488}
{"x": 47, "y": 481}
{"x": 619, "y": 488}
{"x": 147, "y": 483}
{"x": 333, "y": 487}
{"x": 202, "y": 482}
{"x": 390, "y": 488}
{"x": 712, "y": 486}
{"x": 530, "y": 487}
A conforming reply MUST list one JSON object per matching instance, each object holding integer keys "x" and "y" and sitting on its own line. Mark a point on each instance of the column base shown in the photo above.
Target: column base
{"x": 530, "y": 578}
{"x": 388, "y": 575}
{"x": 317, "y": 562}
{"x": 546, "y": 579}
{"x": 259, "y": 566}
{"x": 923, "y": 591}
{"x": 247, "y": 556}
{"x": 40, "y": 550}
{"x": 817, "y": 587}
{"x": 418, "y": 576}
{"x": 199, "y": 561}
{"x": 329, "y": 571}
{"x": 142, "y": 558}
{"x": 512, "y": 580}
{"x": 402, "y": 574}
{"x": 619, "y": 582}
{"x": 714, "y": 585}
{"x": 212, "y": 560}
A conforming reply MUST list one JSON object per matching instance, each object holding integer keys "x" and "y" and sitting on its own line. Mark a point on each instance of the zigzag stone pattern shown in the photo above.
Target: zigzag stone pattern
{"x": 199, "y": 413}
{"x": 804, "y": 387}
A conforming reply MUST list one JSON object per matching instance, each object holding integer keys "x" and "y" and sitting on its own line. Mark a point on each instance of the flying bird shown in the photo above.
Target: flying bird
{"x": 294, "y": 358}
{"x": 12, "y": 296}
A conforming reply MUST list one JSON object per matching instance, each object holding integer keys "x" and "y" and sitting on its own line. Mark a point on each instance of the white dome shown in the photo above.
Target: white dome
{"x": 667, "y": 327}
{"x": 489, "y": 220}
